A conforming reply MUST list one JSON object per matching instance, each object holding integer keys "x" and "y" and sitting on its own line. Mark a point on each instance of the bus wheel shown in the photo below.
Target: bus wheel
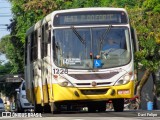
{"x": 37, "y": 107}
{"x": 102, "y": 106}
{"x": 118, "y": 105}
{"x": 55, "y": 108}
{"x": 91, "y": 107}
{"x": 47, "y": 108}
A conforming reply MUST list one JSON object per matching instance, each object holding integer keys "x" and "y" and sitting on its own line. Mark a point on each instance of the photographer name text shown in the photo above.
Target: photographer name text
{"x": 147, "y": 115}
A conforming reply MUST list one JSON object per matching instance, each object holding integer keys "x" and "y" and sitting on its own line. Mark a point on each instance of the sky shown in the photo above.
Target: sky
{"x": 5, "y": 16}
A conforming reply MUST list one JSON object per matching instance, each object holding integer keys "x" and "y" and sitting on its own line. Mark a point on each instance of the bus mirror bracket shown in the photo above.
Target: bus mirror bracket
{"x": 135, "y": 40}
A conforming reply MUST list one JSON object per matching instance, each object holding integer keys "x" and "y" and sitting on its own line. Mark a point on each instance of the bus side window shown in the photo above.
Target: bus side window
{"x": 49, "y": 33}
{"x": 49, "y": 38}
{"x": 54, "y": 48}
{"x": 46, "y": 39}
{"x": 32, "y": 39}
{"x": 25, "y": 49}
{"x": 43, "y": 43}
{"x": 34, "y": 46}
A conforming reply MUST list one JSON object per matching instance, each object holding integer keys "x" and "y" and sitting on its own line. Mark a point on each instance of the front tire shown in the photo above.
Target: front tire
{"x": 91, "y": 108}
{"x": 102, "y": 106}
{"x": 118, "y": 105}
{"x": 37, "y": 107}
{"x": 47, "y": 108}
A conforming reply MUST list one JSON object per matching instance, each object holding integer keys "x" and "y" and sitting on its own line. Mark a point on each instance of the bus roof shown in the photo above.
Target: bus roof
{"x": 91, "y": 9}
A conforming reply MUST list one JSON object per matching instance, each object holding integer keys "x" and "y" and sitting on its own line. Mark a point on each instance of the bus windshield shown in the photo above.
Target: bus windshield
{"x": 81, "y": 48}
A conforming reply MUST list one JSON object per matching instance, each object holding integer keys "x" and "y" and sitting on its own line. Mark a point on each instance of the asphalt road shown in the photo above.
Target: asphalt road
{"x": 128, "y": 114}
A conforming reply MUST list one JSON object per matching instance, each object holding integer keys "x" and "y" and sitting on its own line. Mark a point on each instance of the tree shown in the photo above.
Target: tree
{"x": 12, "y": 54}
{"x": 146, "y": 21}
{"x": 6, "y": 89}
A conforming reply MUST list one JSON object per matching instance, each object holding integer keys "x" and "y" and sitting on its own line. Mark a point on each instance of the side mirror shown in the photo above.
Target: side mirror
{"x": 135, "y": 40}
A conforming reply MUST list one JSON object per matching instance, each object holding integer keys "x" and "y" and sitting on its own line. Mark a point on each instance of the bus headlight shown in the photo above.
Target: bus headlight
{"x": 64, "y": 82}
{"x": 124, "y": 79}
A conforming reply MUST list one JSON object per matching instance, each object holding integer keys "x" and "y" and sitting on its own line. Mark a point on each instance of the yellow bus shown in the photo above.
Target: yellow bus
{"x": 69, "y": 61}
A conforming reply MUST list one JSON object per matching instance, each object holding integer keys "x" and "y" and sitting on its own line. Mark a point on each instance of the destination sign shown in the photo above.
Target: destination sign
{"x": 91, "y": 17}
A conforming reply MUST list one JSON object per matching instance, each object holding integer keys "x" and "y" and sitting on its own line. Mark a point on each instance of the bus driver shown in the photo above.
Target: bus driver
{"x": 111, "y": 43}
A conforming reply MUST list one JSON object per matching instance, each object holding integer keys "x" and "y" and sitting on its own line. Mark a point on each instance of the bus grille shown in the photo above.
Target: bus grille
{"x": 93, "y": 76}
{"x": 94, "y": 92}
{"x": 88, "y": 84}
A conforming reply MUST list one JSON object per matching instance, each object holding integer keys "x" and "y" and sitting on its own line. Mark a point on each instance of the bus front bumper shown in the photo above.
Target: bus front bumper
{"x": 94, "y": 93}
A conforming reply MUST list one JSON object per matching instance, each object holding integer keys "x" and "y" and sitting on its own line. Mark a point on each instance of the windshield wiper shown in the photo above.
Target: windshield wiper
{"x": 83, "y": 41}
{"x": 103, "y": 37}
{"x": 78, "y": 35}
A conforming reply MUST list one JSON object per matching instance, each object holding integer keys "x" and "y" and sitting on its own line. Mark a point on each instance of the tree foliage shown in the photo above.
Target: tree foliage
{"x": 8, "y": 46}
{"x": 6, "y": 88}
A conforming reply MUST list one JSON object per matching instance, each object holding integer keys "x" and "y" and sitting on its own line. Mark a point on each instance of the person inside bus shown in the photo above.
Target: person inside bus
{"x": 111, "y": 43}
